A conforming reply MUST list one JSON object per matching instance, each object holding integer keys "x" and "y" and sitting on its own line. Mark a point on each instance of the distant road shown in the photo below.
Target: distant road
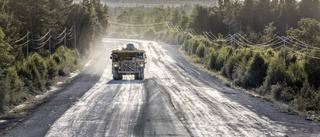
{"x": 159, "y": 3}
{"x": 135, "y": 3}
{"x": 175, "y": 99}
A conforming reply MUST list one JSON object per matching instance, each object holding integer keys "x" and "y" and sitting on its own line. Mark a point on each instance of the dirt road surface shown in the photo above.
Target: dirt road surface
{"x": 174, "y": 99}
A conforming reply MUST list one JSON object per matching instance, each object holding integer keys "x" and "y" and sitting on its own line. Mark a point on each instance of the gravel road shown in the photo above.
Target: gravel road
{"x": 174, "y": 99}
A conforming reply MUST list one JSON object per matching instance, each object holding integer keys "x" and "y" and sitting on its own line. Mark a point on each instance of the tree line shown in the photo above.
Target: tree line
{"x": 287, "y": 73}
{"x": 21, "y": 78}
{"x": 252, "y": 17}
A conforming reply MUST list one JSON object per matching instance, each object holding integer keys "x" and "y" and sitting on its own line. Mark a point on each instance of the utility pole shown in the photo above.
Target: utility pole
{"x": 205, "y": 33}
{"x": 50, "y": 44}
{"x": 176, "y": 28}
{"x": 65, "y": 38}
{"x": 189, "y": 36}
{"x": 28, "y": 44}
{"x": 75, "y": 36}
{"x": 232, "y": 38}
{"x": 178, "y": 38}
{"x": 284, "y": 51}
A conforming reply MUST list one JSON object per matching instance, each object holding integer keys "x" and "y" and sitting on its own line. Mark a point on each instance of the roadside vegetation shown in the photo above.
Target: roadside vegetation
{"x": 41, "y": 40}
{"x": 286, "y": 72}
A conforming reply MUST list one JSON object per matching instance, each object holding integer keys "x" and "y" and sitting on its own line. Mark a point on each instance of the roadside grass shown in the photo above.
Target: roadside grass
{"x": 253, "y": 92}
{"x": 33, "y": 101}
{"x": 194, "y": 59}
{"x": 16, "y": 113}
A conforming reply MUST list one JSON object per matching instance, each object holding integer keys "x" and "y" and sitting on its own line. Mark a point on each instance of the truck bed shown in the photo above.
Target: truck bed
{"x": 128, "y": 51}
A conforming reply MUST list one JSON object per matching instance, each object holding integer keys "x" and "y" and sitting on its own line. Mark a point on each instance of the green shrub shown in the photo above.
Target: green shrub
{"x": 222, "y": 56}
{"x": 297, "y": 74}
{"x": 12, "y": 88}
{"x": 239, "y": 55}
{"x": 282, "y": 92}
{"x": 181, "y": 38}
{"x": 37, "y": 82}
{"x": 192, "y": 49}
{"x": 300, "y": 103}
{"x": 219, "y": 61}
{"x": 195, "y": 59}
{"x": 200, "y": 50}
{"x": 276, "y": 90}
{"x": 256, "y": 71}
{"x": 15, "y": 81}
{"x": 67, "y": 60}
{"x": 312, "y": 69}
{"x": 287, "y": 94}
{"x": 185, "y": 46}
{"x": 4, "y": 88}
{"x": 149, "y": 34}
{"x": 173, "y": 35}
{"x": 44, "y": 53}
{"x": 269, "y": 53}
{"x": 276, "y": 73}
{"x": 317, "y": 100}
{"x": 239, "y": 74}
{"x": 229, "y": 67}
{"x": 40, "y": 64}
{"x": 52, "y": 69}
{"x": 306, "y": 98}
{"x": 56, "y": 58}
{"x": 212, "y": 60}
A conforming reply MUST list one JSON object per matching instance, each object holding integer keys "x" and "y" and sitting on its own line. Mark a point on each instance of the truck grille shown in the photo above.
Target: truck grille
{"x": 128, "y": 66}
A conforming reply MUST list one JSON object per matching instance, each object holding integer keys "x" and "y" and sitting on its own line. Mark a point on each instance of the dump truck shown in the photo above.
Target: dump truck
{"x": 128, "y": 61}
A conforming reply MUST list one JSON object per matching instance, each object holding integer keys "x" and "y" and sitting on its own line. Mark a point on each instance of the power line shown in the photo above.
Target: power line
{"x": 60, "y": 35}
{"x": 23, "y": 44}
{"x": 24, "y": 37}
{"x": 43, "y": 37}
{"x": 41, "y": 42}
{"x": 138, "y": 25}
{"x": 41, "y": 45}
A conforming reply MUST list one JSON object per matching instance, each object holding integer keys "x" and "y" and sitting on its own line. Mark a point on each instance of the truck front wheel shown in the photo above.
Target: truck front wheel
{"x": 140, "y": 75}
{"x": 116, "y": 75}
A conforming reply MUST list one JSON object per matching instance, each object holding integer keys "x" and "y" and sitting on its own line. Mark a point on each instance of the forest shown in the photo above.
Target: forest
{"x": 41, "y": 40}
{"x": 268, "y": 47}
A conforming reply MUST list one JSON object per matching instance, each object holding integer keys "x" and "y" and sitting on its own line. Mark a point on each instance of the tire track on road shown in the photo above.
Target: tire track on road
{"x": 108, "y": 111}
{"x": 201, "y": 107}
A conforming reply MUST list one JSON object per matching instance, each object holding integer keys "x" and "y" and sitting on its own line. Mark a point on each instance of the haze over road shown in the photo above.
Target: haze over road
{"x": 175, "y": 99}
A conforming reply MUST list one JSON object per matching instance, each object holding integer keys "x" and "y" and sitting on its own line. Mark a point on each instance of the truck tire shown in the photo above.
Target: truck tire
{"x": 116, "y": 74}
{"x": 136, "y": 76}
{"x": 120, "y": 76}
{"x": 141, "y": 74}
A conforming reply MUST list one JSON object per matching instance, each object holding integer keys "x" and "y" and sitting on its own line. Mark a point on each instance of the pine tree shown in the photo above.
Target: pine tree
{"x": 309, "y": 9}
{"x": 6, "y": 22}
{"x": 246, "y": 15}
{"x": 58, "y": 11}
{"x": 231, "y": 11}
{"x": 5, "y": 62}
{"x": 5, "y": 57}
{"x": 199, "y": 19}
{"x": 263, "y": 14}
{"x": 290, "y": 15}
{"x": 33, "y": 15}
{"x": 175, "y": 17}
